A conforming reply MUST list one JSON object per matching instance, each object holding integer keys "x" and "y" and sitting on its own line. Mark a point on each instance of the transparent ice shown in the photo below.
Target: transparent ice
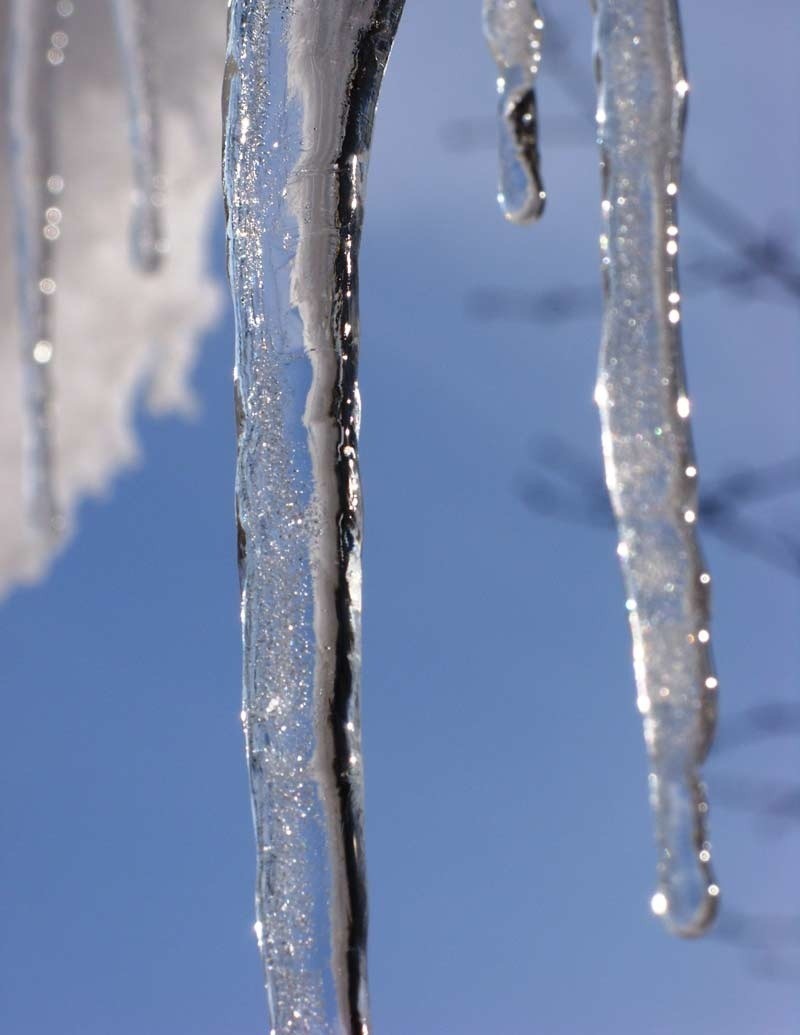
{"x": 301, "y": 86}
{"x": 133, "y": 19}
{"x": 36, "y": 51}
{"x": 651, "y": 471}
{"x": 514, "y": 30}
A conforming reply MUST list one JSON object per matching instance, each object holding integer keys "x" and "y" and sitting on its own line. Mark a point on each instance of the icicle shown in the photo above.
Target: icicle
{"x": 301, "y": 85}
{"x": 36, "y": 53}
{"x": 148, "y": 239}
{"x": 513, "y": 30}
{"x": 644, "y": 407}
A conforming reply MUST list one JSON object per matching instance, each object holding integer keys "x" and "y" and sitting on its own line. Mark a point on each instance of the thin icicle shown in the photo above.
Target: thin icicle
{"x": 36, "y": 52}
{"x": 133, "y": 20}
{"x": 301, "y": 85}
{"x": 513, "y": 30}
{"x": 650, "y": 467}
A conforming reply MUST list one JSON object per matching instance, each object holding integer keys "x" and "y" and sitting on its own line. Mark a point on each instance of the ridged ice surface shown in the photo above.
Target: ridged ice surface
{"x": 35, "y": 53}
{"x": 650, "y": 466}
{"x": 513, "y": 30}
{"x": 302, "y": 81}
{"x": 134, "y": 24}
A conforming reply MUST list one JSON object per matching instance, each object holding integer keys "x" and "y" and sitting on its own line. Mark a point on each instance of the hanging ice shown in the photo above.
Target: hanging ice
{"x": 513, "y": 31}
{"x": 134, "y": 31}
{"x": 36, "y": 52}
{"x": 650, "y": 466}
{"x": 301, "y": 85}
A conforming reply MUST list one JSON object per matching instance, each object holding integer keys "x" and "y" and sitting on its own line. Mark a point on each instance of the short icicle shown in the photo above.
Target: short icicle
{"x": 37, "y": 44}
{"x": 301, "y": 85}
{"x": 649, "y": 459}
{"x": 133, "y": 19}
{"x": 514, "y": 30}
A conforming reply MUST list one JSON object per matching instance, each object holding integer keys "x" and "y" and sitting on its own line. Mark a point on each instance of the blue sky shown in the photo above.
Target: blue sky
{"x": 509, "y": 842}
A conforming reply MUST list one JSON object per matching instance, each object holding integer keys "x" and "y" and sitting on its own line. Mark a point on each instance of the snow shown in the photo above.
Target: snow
{"x": 118, "y": 333}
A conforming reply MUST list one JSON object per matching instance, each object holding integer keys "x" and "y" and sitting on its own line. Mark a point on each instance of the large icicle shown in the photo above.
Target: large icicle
{"x": 514, "y": 30}
{"x": 133, "y": 20}
{"x": 650, "y": 466}
{"x": 301, "y": 85}
{"x": 36, "y": 53}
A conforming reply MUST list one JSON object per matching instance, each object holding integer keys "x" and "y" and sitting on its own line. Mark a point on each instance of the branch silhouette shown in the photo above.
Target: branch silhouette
{"x": 749, "y": 258}
{"x": 749, "y": 261}
{"x": 771, "y": 944}
{"x": 564, "y": 484}
{"x": 761, "y": 722}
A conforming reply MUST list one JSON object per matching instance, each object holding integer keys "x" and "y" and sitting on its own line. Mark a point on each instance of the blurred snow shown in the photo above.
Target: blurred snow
{"x": 120, "y": 334}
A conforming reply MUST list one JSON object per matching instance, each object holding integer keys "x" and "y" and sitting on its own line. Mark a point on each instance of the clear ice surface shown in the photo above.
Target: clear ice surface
{"x": 36, "y": 43}
{"x": 513, "y": 30}
{"x": 133, "y": 19}
{"x": 301, "y": 85}
{"x": 649, "y": 459}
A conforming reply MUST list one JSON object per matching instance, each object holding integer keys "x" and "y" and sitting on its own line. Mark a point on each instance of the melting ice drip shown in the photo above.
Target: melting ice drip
{"x": 641, "y": 393}
{"x": 148, "y": 238}
{"x": 650, "y": 466}
{"x": 37, "y": 45}
{"x": 301, "y": 86}
{"x": 513, "y": 30}
{"x": 37, "y": 50}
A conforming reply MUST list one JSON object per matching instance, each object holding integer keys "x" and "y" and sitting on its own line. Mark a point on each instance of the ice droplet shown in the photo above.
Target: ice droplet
{"x": 304, "y": 76}
{"x": 644, "y": 407}
{"x": 514, "y": 31}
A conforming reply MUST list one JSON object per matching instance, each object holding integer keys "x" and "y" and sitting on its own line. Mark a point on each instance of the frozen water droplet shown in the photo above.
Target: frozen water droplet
{"x": 514, "y": 30}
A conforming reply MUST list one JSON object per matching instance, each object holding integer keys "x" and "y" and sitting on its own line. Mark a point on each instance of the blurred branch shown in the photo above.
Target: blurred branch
{"x": 465, "y": 134}
{"x": 566, "y": 485}
{"x": 776, "y": 802}
{"x": 747, "y": 260}
{"x": 761, "y": 722}
{"x": 558, "y": 305}
{"x": 772, "y": 943}
{"x": 750, "y": 257}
